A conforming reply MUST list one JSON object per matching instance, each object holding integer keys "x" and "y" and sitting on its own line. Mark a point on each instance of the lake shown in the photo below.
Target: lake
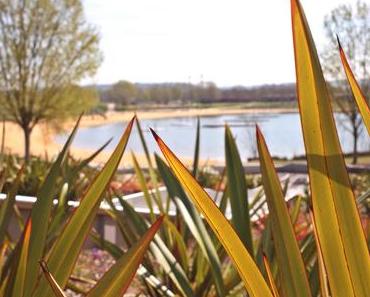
{"x": 282, "y": 132}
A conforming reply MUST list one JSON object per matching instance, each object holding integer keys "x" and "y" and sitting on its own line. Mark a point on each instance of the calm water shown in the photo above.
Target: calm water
{"x": 282, "y": 132}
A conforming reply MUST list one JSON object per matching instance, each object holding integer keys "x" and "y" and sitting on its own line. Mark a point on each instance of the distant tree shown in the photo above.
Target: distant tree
{"x": 210, "y": 91}
{"x": 122, "y": 92}
{"x": 175, "y": 93}
{"x": 158, "y": 93}
{"x": 352, "y": 25}
{"x": 46, "y": 46}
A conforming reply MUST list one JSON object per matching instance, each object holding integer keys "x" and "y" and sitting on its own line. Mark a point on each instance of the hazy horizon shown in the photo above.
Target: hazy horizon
{"x": 229, "y": 43}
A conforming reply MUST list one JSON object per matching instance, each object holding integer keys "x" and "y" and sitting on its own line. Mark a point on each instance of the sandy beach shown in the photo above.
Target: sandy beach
{"x": 125, "y": 116}
{"x": 43, "y": 135}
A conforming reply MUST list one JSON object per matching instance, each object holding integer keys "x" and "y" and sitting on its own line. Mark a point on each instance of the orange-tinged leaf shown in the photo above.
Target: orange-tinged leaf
{"x": 289, "y": 259}
{"x": 356, "y": 90}
{"x": 338, "y": 224}
{"x": 3, "y": 249}
{"x": 270, "y": 277}
{"x": 252, "y": 277}
{"x": 117, "y": 279}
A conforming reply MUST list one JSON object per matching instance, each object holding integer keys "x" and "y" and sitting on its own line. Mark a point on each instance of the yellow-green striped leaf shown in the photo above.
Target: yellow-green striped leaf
{"x": 291, "y": 268}
{"x": 338, "y": 224}
{"x": 356, "y": 90}
{"x": 194, "y": 222}
{"x": 252, "y": 277}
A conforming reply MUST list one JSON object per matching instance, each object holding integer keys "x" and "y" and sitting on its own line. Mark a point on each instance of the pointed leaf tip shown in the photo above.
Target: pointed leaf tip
{"x": 131, "y": 123}
{"x": 357, "y": 92}
{"x": 155, "y": 135}
{"x": 252, "y": 277}
{"x": 158, "y": 222}
{"x": 237, "y": 189}
{"x": 339, "y": 44}
{"x": 339, "y": 229}
{"x": 258, "y": 131}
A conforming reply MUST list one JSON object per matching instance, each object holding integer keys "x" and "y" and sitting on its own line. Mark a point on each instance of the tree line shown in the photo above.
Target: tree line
{"x": 128, "y": 93}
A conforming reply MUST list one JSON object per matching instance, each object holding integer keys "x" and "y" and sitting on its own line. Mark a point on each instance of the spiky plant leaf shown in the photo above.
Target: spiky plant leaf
{"x": 68, "y": 245}
{"x": 40, "y": 214}
{"x": 253, "y": 279}
{"x": 341, "y": 237}
{"x": 291, "y": 267}
{"x": 360, "y": 99}
{"x": 237, "y": 187}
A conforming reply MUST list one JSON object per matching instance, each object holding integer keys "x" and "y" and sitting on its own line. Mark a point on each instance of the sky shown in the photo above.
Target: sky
{"x": 234, "y": 42}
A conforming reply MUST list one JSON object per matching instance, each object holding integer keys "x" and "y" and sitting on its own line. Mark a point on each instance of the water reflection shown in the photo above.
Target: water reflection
{"x": 282, "y": 132}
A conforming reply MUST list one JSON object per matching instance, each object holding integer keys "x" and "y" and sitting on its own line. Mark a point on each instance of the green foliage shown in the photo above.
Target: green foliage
{"x": 310, "y": 246}
{"x": 46, "y": 47}
{"x": 55, "y": 234}
{"x": 122, "y": 92}
{"x": 36, "y": 170}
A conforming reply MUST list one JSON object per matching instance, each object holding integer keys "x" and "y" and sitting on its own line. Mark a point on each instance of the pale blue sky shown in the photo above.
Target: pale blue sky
{"x": 234, "y": 42}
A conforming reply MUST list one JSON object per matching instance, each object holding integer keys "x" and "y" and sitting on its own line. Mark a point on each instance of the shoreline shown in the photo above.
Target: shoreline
{"x": 43, "y": 137}
{"x": 124, "y": 116}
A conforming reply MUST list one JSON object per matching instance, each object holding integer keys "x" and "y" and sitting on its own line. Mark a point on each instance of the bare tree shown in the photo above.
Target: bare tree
{"x": 46, "y": 46}
{"x": 352, "y": 25}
